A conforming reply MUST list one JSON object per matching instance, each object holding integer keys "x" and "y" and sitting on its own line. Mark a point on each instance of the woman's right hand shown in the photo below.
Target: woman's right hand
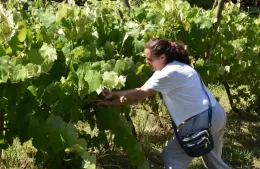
{"x": 107, "y": 94}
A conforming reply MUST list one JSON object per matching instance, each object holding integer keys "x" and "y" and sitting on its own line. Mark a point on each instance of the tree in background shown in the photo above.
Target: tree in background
{"x": 207, "y": 4}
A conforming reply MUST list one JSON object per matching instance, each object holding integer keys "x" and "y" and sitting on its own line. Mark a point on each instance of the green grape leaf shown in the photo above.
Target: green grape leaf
{"x": 62, "y": 11}
{"x": 200, "y": 62}
{"x": 82, "y": 85}
{"x": 140, "y": 69}
{"x": 35, "y": 57}
{"x": 82, "y": 142}
{"x": 2, "y": 51}
{"x": 33, "y": 70}
{"x": 96, "y": 66}
{"x": 78, "y": 51}
{"x": 81, "y": 23}
{"x": 129, "y": 64}
{"x": 110, "y": 80}
{"x": 33, "y": 90}
{"x": 121, "y": 82}
{"x": 46, "y": 66}
{"x": 139, "y": 14}
{"x": 4, "y": 28}
{"x": 47, "y": 17}
{"x": 106, "y": 117}
{"x": 16, "y": 61}
{"x": 65, "y": 134}
{"x": 89, "y": 161}
{"x": 94, "y": 80}
{"x": 206, "y": 24}
{"x": 15, "y": 44}
{"x": 59, "y": 90}
{"x": 19, "y": 73}
{"x": 22, "y": 31}
{"x": 107, "y": 67}
{"x": 239, "y": 44}
{"x": 139, "y": 45}
{"x": 120, "y": 66}
{"x": 56, "y": 140}
{"x": 4, "y": 73}
{"x": 48, "y": 52}
{"x": 48, "y": 96}
{"x": 39, "y": 138}
{"x": 55, "y": 121}
{"x": 68, "y": 88}
{"x": 221, "y": 70}
{"x": 150, "y": 16}
{"x": 111, "y": 62}
{"x": 4, "y": 60}
{"x": 109, "y": 49}
{"x": 72, "y": 129}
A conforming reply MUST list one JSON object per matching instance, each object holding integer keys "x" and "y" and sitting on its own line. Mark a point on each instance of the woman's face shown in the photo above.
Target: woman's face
{"x": 156, "y": 63}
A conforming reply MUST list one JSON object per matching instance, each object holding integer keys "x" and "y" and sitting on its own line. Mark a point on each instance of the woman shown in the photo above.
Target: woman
{"x": 184, "y": 97}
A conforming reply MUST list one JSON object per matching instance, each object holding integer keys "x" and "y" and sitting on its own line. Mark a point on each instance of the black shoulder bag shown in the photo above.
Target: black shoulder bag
{"x": 198, "y": 143}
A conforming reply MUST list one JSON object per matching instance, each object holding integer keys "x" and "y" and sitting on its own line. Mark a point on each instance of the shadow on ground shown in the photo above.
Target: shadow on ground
{"x": 241, "y": 143}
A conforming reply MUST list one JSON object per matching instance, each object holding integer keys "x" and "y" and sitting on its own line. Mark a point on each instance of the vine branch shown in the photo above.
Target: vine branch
{"x": 215, "y": 26}
{"x": 230, "y": 98}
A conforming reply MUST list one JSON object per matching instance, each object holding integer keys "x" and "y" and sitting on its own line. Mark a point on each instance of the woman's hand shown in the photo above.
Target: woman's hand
{"x": 105, "y": 98}
{"x": 125, "y": 97}
{"x": 107, "y": 94}
{"x": 114, "y": 102}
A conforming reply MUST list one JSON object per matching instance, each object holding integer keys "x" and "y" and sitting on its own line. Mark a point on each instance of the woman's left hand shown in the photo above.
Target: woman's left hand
{"x": 103, "y": 102}
{"x": 115, "y": 102}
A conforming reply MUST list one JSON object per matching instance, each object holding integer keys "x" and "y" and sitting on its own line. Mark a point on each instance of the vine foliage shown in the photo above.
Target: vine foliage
{"x": 55, "y": 59}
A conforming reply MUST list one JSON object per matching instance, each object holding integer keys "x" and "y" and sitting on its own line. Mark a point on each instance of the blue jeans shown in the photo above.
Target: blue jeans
{"x": 174, "y": 156}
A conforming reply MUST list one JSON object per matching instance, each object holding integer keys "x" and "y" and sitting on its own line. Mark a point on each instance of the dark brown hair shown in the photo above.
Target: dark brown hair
{"x": 173, "y": 51}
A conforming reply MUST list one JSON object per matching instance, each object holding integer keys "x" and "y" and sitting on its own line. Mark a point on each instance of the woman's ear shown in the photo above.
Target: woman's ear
{"x": 163, "y": 57}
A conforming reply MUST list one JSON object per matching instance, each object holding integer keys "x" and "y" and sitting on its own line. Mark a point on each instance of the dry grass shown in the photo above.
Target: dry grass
{"x": 18, "y": 156}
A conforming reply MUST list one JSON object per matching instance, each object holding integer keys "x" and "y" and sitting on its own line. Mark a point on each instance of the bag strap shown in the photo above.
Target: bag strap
{"x": 210, "y": 105}
{"x": 209, "y": 109}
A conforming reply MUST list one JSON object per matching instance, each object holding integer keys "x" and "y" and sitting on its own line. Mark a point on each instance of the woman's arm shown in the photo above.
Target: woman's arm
{"x": 126, "y": 97}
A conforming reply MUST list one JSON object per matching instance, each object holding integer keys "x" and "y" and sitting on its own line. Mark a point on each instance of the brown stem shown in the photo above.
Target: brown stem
{"x": 215, "y": 4}
{"x": 227, "y": 88}
{"x": 215, "y": 27}
{"x": 131, "y": 121}
{"x": 126, "y": 3}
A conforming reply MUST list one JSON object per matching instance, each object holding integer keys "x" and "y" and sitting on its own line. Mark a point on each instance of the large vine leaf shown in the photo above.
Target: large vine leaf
{"x": 94, "y": 80}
